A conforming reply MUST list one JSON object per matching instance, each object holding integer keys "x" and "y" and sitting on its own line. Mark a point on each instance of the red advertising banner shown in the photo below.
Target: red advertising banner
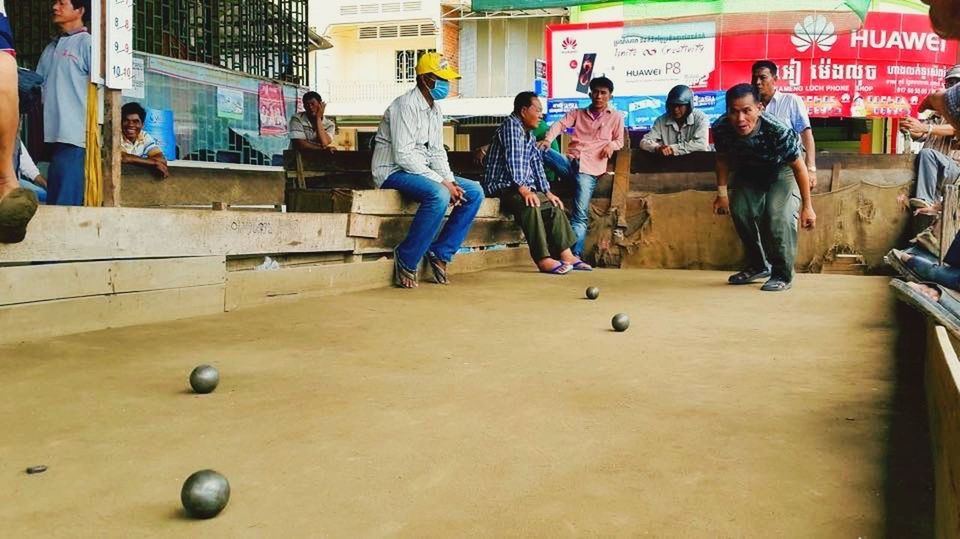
{"x": 273, "y": 112}
{"x": 883, "y": 69}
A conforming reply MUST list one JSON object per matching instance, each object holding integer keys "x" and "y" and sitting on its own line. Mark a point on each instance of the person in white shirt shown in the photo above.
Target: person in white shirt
{"x": 681, "y": 130}
{"x": 789, "y": 109}
{"x": 30, "y": 177}
{"x": 409, "y": 156}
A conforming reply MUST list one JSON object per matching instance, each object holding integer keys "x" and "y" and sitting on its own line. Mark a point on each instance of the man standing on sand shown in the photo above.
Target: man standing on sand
{"x": 772, "y": 190}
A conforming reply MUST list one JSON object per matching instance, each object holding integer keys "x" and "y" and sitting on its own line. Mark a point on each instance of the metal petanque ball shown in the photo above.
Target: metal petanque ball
{"x": 593, "y": 292}
{"x": 205, "y": 494}
{"x": 620, "y": 322}
{"x": 204, "y": 379}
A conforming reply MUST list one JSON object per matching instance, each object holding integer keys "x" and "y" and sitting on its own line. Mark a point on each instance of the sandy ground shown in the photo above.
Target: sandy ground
{"x": 502, "y": 405}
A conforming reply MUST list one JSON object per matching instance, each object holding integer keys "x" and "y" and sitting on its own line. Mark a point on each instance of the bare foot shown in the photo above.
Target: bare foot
{"x": 928, "y": 291}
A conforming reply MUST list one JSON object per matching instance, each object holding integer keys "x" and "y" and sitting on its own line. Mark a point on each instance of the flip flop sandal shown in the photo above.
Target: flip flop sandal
{"x": 776, "y": 285}
{"x": 580, "y": 265}
{"x": 400, "y": 273}
{"x": 748, "y": 276}
{"x": 560, "y": 269}
{"x": 439, "y": 272}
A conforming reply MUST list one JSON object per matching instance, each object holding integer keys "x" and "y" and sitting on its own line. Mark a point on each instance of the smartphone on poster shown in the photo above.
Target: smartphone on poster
{"x": 586, "y": 72}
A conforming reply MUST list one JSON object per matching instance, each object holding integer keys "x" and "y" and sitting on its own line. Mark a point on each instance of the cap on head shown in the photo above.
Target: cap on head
{"x": 435, "y": 63}
{"x": 953, "y": 73}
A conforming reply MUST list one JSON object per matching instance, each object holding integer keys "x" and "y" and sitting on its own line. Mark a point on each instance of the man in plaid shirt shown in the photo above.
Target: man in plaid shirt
{"x": 514, "y": 172}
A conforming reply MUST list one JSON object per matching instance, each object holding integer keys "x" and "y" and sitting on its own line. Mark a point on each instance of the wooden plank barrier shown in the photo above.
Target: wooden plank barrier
{"x": 201, "y": 185}
{"x": 943, "y": 403}
{"x": 58, "y": 234}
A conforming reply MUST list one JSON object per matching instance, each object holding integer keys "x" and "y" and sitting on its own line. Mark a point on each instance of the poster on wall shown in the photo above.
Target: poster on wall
{"x": 884, "y": 69}
{"x": 229, "y": 103}
{"x": 273, "y": 110}
{"x": 159, "y": 125}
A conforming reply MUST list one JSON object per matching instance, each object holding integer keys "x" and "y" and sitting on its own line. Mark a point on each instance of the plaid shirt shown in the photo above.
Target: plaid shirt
{"x": 514, "y": 160}
{"x": 770, "y": 146}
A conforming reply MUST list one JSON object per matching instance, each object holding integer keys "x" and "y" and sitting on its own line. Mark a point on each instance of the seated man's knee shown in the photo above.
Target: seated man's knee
{"x": 438, "y": 196}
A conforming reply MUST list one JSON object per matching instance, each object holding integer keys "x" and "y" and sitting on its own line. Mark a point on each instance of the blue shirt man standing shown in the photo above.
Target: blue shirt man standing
{"x": 65, "y": 67}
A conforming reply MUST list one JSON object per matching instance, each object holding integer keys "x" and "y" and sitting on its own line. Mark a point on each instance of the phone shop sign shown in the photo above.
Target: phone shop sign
{"x": 641, "y": 60}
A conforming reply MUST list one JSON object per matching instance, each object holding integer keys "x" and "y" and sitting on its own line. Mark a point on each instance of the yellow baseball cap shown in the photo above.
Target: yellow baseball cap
{"x": 433, "y": 62}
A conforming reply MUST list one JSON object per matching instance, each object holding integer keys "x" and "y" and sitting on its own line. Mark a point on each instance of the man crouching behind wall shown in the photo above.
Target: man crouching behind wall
{"x": 762, "y": 154}
{"x": 409, "y": 157}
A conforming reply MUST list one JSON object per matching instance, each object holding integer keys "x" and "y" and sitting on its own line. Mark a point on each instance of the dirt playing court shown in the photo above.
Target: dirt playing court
{"x": 502, "y": 405}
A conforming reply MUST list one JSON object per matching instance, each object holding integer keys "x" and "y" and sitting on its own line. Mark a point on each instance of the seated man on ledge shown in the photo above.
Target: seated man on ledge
{"x": 515, "y": 172}
{"x": 311, "y": 129}
{"x": 137, "y": 147}
{"x": 409, "y": 157}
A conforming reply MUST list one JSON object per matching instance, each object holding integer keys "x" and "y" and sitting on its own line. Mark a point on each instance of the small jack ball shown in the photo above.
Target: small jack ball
{"x": 620, "y": 322}
{"x": 205, "y": 494}
{"x": 204, "y": 379}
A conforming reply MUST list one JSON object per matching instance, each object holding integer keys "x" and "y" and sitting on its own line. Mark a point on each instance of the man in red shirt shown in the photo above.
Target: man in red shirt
{"x": 597, "y": 134}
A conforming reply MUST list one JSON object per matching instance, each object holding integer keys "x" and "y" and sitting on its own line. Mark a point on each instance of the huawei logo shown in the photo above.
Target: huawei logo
{"x": 569, "y": 43}
{"x": 814, "y": 30}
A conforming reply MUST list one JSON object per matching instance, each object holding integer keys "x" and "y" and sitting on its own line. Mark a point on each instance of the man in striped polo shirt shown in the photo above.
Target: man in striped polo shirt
{"x": 409, "y": 156}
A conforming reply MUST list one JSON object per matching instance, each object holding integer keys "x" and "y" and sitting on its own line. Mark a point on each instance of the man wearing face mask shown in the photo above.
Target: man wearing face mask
{"x": 408, "y": 156}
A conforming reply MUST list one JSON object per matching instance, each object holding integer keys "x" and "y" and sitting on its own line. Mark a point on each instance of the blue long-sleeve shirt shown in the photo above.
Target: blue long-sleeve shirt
{"x": 513, "y": 160}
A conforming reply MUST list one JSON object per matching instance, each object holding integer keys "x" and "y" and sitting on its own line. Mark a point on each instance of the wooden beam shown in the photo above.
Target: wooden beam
{"x": 112, "y": 194}
{"x": 484, "y": 232}
{"x": 24, "y": 284}
{"x": 195, "y": 185}
{"x": 59, "y": 233}
{"x": 948, "y": 219}
{"x": 943, "y": 399}
{"x": 389, "y": 202}
{"x": 363, "y": 226}
{"x": 253, "y": 288}
{"x": 29, "y": 321}
{"x": 835, "y": 177}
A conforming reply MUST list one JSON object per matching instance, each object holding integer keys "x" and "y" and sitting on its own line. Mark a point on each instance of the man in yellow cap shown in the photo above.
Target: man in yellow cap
{"x": 408, "y": 156}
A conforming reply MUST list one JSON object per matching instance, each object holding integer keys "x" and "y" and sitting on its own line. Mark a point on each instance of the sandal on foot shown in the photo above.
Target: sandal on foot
{"x": 559, "y": 269}
{"x": 439, "y": 272}
{"x": 776, "y": 284}
{"x": 580, "y": 265}
{"x": 400, "y": 273}
{"x": 748, "y": 276}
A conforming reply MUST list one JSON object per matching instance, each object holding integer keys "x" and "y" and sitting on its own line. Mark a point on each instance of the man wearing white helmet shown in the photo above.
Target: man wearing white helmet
{"x": 681, "y": 130}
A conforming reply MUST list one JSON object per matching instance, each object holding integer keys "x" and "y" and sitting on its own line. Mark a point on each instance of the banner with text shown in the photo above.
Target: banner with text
{"x": 881, "y": 70}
